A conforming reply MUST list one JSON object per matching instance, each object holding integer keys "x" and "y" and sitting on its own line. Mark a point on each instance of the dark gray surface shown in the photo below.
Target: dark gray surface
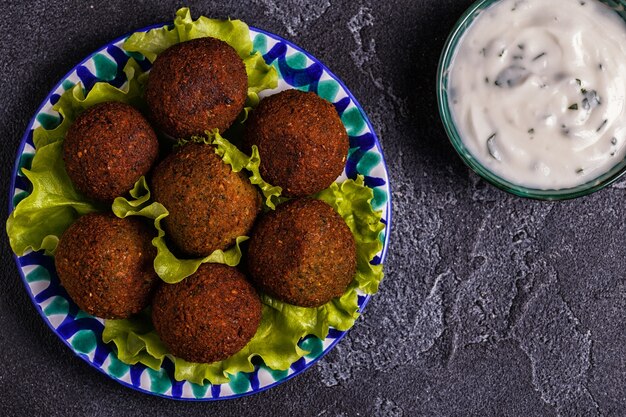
{"x": 492, "y": 305}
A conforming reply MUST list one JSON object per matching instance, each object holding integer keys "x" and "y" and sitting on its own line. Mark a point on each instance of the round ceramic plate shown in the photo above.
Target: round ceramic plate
{"x": 82, "y": 332}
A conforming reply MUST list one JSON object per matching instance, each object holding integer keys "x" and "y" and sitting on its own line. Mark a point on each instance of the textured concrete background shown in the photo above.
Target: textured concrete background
{"x": 492, "y": 305}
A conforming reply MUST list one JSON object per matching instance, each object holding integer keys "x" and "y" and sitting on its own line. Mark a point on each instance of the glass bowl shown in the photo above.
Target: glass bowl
{"x": 445, "y": 112}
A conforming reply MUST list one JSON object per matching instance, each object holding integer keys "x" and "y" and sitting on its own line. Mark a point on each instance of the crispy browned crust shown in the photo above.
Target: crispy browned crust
{"x": 209, "y": 204}
{"x": 302, "y": 142}
{"x": 303, "y": 253}
{"x": 209, "y": 316}
{"x": 105, "y": 264}
{"x": 107, "y": 149}
{"x": 195, "y": 86}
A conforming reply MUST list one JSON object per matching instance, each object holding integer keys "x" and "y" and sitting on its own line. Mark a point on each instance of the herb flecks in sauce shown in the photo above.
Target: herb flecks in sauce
{"x": 591, "y": 99}
{"x": 554, "y": 102}
{"x": 512, "y": 76}
{"x": 538, "y": 57}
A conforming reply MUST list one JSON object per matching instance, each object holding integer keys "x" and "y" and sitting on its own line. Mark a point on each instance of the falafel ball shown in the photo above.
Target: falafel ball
{"x": 195, "y": 86}
{"x": 107, "y": 149}
{"x": 303, "y": 253}
{"x": 302, "y": 142}
{"x": 209, "y": 204}
{"x": 209, "y": 316}
{"x": 105, "y": 264}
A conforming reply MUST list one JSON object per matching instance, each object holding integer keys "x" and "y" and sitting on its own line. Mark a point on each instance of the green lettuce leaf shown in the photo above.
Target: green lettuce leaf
{"x": 136, "y": 340}
{"x": 234, "y": 32}
{"x": 170, "y": 268}
{"x": 283, "y": 325}
{"x": 238, "y": 161}
{"x": 40, "y": 219}
{"x": 352, "y": 199}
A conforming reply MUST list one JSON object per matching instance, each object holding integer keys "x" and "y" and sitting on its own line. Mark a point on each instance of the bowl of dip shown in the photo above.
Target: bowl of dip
{"x": 532, "y": 94}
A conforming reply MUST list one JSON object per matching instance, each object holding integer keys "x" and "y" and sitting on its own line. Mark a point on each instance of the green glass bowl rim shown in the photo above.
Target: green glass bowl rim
{"x": 445, "y": 113}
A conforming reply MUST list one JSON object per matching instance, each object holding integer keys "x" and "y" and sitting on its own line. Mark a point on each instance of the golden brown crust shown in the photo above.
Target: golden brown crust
{"x": 106, "y": 265}
{"x": 303, "y": 253}
{"x": 209, "y": 204}
{"x": 107, "y": 149}
{"x": 195, "y": 86}
{"x": 209, "y": 316}
{"x": 302, "y": 142}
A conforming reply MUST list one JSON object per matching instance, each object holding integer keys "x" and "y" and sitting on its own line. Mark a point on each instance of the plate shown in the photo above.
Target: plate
{"x": 82, "y": 332}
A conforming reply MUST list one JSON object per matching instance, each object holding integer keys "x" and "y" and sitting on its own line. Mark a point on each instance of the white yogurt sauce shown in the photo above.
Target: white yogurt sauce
{"x": 537, "y": 91}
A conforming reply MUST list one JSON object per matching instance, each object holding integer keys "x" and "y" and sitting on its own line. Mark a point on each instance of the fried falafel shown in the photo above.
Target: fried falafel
{"x": 196, "y": 86}
{"x": 209, "y": 316}
{"x": 105, "y": 264}
{"x": 303, "y": 253}
{"x": 302, "y": 142}
{"x": 107, "y": 149}
{"x": 209, "y": 204}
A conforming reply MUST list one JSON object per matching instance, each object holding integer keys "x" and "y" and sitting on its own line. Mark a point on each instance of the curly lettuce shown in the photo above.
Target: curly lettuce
{"x": 40, "y": 219}
{"x": 170, "y": 268}
{"x": 238, "y": 161}
{"x": 283, "y": 325}
{"x": 355, "y": 198}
